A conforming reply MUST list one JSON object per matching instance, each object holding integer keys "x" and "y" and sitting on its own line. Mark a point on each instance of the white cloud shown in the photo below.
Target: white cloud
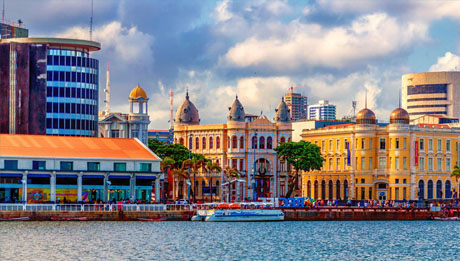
{"x": 448, "y": 62}
{"x": 221, "y": 12}
{"x": 311, "y": 45}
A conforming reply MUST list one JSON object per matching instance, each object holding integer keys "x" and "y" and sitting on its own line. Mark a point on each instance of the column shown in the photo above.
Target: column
{"x": 24, "y": 187}
{"x": 106, "y": 187}
{"x": 413, "y": 171}
{"x": 53, "y": 187}
{"x": 276, "y": 176}
{"x": 79, "y": 186}
{"x": 132, "y": 187}
{"x": 351, "y": 188}
{"x": 157, "y": 189}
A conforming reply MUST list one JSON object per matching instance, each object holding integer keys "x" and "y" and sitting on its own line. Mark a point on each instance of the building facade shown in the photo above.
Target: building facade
{"x": 394, "y": 162}
{"x": 13, "y": 30}
{"x": 241, "y": 145}
{"x": 76, "y": 169}
{"x": 132, "y": 125}
{"x": 321, "y": 111}
{"x": 49, "y": 86}
{"x": 431, "y": 93}
{"x": 165, "y": 136}
{"x": 297, "y": 105}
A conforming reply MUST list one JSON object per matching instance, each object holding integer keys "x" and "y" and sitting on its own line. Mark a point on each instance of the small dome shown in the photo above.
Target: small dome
{"x": 400, "y": 116}
{"x": 187, "y": 113}
{"x": 365, "y": 116}
{"x": 137, "y": 93}
{"x": 236, "y": 112}
{"x": 282, "y": 113}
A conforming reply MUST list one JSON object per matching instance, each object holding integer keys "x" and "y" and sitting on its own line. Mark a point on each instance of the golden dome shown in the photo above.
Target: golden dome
{"x": 365, "y": 116}
{"x": 399, "y": 115}
{"x": 137, "y": 93}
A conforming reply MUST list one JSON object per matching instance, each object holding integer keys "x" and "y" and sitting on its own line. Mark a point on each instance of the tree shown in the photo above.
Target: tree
{"x": 230, "y": 173}
{"x": 455, "y": 173}
{"x": 302, "y": 156}
{"x": 166, "y": 164}
{"x": 211, "y": 167}
{"x": 195, "y": 163}
{"x": 177, "y": 152}
{"x": 180, "y": 173}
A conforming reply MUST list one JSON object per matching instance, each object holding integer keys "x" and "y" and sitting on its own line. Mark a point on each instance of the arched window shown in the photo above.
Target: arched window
{"x": 217, "y": 186}
{"x": 421, "y": 189}
{"x": 316, "y": 190}
{"x": 241, "y": 142}
{"x": 448, "y": 191}
{"x": 254, "y": 142}
{"x": 203, "y": 185}
{"x": 262, "y": 143}
{"x": 331, "y": 190}
{"x": 234, "y": 142}
{"x": 269, "y": 143}
{"x": 217, "y": 162}
{"x": 430, "y": 189}
{"x": 181, "y": 141}
{"x": 203, "y": 141}
{"x": 309, "y": 189}
{"x": 345, "y": 189}
{"x": 190, "y": 143}
{"x": 228, "y": 142}
{"x": 211, "y": 143}
{"x": 337, "y": 192}
{"x": 197, "y": 143}
{"x": 439, "y": 189}
{"x": 323, "y": 189}
{"x": 217, "y": 142}
{"x": 282, "y": 140}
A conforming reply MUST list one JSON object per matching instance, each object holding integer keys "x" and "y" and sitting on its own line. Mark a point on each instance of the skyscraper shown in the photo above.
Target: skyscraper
{"x": 321, "y": 111}
{"x": 297, "y": 105}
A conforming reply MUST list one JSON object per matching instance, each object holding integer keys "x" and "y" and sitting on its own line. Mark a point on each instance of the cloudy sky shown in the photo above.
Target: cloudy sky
{"x": 256, "y": 49}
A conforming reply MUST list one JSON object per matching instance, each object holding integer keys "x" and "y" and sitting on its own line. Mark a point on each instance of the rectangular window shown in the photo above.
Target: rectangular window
{"x": 397, "y": 143}
{"x": 363, "y": 143}
{"x": 448, "y": 168}
{"x": 94, "y": 166}
{"x": 363, "y": 181}
{"x": 382, "y": 162}
{"x": 447, "y": 145}
{"x": 430, "y": 164}
{"x": 382, "y": 144}
{"x": 362, "y": 163}
{"x": 118, "y": 166}
{"x": 337, "y": 163}
{"x": 38, "y": 165}
{"x": 370, "y": 193}
{"x": 337, "y": 145}
{"x": 241, "y": 164}
{"x": 421, "y": 163}
{"x": 404, "y": 193}
{"x": 439, "y": 147}
{"x": 363, "y": 192}
{"x": 66, "y": 165}
{"x": 370, "y": 143}
{"x": 11, "y": 164}
{"x": 404, "y": 143}
{"x": 396, "y": 163}
{"x": 439, "y": 164}
{"x": 422, "y": 144}
{"x": 397, "y": 181}
{"x": 234, "y": 163}
{"x": 370, "y": 163}
{"x": 430, "y": 144}
{"x": 396, "y": 193}
{"x": 405, "y": 181}
{"x": 145, "y": 167}
{"x": 404, "y": 163}
{"x": 330, "y": 163}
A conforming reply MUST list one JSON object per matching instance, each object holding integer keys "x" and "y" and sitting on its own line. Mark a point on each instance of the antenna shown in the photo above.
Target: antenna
{"x": 107, "y": 91}
{"x": 171, "y": 95}
{"x": 3, "y": 12}
{"x": 91, "y": 23}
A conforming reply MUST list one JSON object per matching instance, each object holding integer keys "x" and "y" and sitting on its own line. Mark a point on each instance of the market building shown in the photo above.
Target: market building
{"x": 394, "y": 162}
{"x": 40, "y": 168}
{"x": 239, "y": 143}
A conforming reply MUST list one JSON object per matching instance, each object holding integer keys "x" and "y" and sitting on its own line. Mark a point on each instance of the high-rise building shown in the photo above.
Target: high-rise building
{"x": 48, "y": 86}
{"x": 431, "y": 93}
{"x": 321, "y": 111}
{"x": 297, "y": 105}
{"x": 13, "y": 30}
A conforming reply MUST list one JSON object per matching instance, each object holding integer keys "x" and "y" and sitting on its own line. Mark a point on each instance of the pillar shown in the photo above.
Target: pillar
{"x": 157, "y": 189}
{"x": 132, "y": 187}
{"x": 79, "y": 186}
{"x": 351, "y": 184}
{"x": 413, "y": 170}
{"x": 106, "y": 188}
{"x": 24, "y": 187}
{"x": 53, "y": 187}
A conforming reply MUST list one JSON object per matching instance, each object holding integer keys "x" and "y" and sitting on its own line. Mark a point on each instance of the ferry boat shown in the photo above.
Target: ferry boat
{"x": 240, "y": 212}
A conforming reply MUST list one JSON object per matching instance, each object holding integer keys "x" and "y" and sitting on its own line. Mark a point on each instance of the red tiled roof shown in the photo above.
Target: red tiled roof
{"x": 338, "y": 126}
{"x": 73, "y": 147}
{"x": 158, "y": 130}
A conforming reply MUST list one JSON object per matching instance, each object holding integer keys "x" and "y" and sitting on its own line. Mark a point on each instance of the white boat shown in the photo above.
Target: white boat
{"x": 232, "y": 215}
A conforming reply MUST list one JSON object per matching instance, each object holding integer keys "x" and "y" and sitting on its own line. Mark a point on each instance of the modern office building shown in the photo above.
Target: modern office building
{"x": 132, "y": 125}
{"x": 431, "y": 93}
{"x": 13, "y": 30}
{"x": 395, "y": 162}
{"x": 297, "y": 105}
{"x": 41, "y": 168}
{"x": 321, "y": 111}
{"x": 48, "y": 86}
{"x": 239, "y": 144}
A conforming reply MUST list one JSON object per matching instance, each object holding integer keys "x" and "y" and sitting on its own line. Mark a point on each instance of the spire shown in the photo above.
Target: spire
{"x": 186, "y": 95}
{"x": 107, "y": 91}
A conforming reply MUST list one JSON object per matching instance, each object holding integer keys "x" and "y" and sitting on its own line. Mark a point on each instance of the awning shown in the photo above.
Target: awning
{"x": 66, "y": 176}
{"x": 10, "y": 175}
{"x": 119, "y": 177}
{"x": 93, "y": 176}
{"x": 146, "y": 177}
{"x": 38, "y": 175}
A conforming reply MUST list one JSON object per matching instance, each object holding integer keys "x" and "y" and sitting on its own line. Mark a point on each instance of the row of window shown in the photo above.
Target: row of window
{"x": 71, "y": 124}
{"x": 232, "y": 143}
{"x": 81, "y": 77}
{"x": 68, "y": 166}
{"x": 340, "y": 194}
{"x": 54, "y": 51}
{"x": 73, "y": 92}
{"x": 72, "y": 61}
{"x": 447, "y": 193}
{"x": 426, "y": 88}
{"x": 55, "y": 107}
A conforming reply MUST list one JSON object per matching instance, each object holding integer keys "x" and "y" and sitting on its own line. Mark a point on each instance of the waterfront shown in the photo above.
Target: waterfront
{"x": 228, "y": 241}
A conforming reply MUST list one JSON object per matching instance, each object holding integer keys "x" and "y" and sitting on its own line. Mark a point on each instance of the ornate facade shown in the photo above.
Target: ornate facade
{"x": 241, "y": 144}
{"x": 394, "y": 162}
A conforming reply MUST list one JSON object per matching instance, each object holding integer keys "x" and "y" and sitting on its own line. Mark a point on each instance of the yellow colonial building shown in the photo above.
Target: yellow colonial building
{"x": 397, "y": 161}
{"x": 245, "y": 142}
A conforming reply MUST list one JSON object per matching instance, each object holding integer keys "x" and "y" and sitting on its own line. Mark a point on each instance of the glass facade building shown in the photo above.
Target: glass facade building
{"x": 72, "y": 92}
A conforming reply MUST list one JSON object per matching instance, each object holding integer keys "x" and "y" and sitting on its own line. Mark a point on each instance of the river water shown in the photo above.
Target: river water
{"x": 229, "y": 241}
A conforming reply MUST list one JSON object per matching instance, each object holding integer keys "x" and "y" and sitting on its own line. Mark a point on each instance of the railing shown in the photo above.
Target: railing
{"x": 94, "y": 207}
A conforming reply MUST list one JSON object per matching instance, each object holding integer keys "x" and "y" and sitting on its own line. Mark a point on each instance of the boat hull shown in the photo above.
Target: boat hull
{"x": 245, "y": 215}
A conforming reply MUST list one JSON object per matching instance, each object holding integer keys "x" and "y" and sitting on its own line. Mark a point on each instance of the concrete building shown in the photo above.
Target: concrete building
{"x": 321, "y": 111}
{"x": 132, "y": 125}
{"x": 435, "y": 119}
{"x": 299, "y": 126}
{"x": 48, "y": 86}
{"x": 431, "y": 93}
{"x": 297, "y": 105}
{"x": 13, "y": 30}
{"x": 394, "y": 162}
{"x": 40, "y": 168}
{"x": 243, "y": 145}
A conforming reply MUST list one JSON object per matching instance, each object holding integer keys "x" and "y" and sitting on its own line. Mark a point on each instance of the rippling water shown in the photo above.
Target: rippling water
{"x": 228, "y": 241}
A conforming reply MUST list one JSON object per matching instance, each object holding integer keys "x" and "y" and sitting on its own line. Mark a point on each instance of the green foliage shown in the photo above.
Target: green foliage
{"x": 177, "y": 152}
{"x": 456, "y": 173}
{"x": 301, "y": 155}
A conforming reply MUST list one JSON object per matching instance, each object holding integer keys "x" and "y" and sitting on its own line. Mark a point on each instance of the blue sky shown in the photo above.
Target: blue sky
{"x": 256, "y": 49}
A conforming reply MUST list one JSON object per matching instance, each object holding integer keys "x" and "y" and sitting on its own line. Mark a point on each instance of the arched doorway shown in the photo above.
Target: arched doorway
{"x": 430, "y": 189}
{"x": 309, "y": 189}
{"x": 337, "y": 187}
{"x": 381, "y": 189}
{"x": 345, "y": 189}
{"x": 262, "y": 175}
{"x": 316, "y": 190}
{"x": 323, "y": 189}
{"x": 421, "y": 190}
{"x": 331, "y": 190}
{"x": 439, "y": 189}
{"x": 448, "y": 190}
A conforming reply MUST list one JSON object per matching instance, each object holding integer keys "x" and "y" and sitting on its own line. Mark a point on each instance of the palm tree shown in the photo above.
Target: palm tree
{"x": 211, "y": 167}
{"x": 180, "y": 173}
{"x": 195, "y": 164}
{"x": 230, "y": 173}
{"x": 166, "y": 164}
{"x": 456, "y": 173}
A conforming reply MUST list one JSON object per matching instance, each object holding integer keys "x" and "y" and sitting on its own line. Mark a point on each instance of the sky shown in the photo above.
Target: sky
{"x": 255, "y": 49}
